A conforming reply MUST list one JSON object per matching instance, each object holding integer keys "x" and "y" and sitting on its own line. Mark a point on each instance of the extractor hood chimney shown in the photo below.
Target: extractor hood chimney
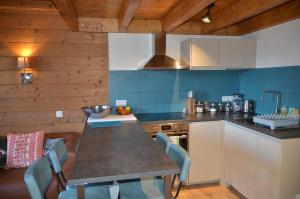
{"x": 160, "y": 61}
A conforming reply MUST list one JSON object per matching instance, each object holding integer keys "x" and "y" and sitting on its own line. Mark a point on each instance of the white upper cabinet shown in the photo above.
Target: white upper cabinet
{"x": 237, "y": 53}
{"x": 200, "y": 53}
{"x": 218, "y": 53}
{"x": 128, "y": 51}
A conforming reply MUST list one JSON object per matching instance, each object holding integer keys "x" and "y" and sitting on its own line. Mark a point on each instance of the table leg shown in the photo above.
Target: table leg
{"x": 168, "y": 187}
{"x": 80, "y": 191}
{"x": 114, "y": 190}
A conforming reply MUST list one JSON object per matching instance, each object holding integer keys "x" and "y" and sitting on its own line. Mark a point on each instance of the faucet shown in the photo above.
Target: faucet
{"x": 276, "y": 95}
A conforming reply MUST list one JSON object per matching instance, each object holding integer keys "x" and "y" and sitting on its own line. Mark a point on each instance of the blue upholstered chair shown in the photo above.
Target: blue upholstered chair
{"x": 153, "y": 188}
{"x": 58, "y": 154}
{"x": 164, "y": 141}
{"x": 39, "y": 175}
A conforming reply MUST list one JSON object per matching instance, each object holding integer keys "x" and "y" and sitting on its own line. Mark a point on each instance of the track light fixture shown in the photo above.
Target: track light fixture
{"x": 207, "y": 17}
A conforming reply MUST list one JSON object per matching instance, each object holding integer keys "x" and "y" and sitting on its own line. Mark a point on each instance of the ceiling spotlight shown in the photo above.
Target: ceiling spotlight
{"x": 207, "y": 17}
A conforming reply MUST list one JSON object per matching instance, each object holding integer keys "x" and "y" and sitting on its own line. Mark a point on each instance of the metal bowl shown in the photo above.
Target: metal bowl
{"x": 97, "y": 111}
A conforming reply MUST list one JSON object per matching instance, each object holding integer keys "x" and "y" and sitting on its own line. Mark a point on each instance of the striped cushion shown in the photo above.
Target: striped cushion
{"x": 23, "y": 149}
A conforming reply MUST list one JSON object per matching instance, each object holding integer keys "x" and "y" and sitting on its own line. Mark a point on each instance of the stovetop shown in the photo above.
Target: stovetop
{"x": 156, "y": 117}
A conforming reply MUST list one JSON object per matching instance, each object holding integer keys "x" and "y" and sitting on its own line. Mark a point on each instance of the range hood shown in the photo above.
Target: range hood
{"x": 160, "y": 61}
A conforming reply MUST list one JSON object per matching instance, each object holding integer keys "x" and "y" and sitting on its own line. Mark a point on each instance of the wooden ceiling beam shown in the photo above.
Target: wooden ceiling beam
{"x": 127, "y": 12}
{"x": 136, "y": 26}
{"x": 278, "y": 15}
{"x": 68, "y": 12}
{"x": 182, "y": 12}
{"x": 239, "y": 11}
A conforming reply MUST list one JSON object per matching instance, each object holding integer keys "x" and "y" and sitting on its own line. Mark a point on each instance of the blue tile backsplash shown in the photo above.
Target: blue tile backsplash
{"x": 165, "y": 91}
{"x": 283, "y": 79}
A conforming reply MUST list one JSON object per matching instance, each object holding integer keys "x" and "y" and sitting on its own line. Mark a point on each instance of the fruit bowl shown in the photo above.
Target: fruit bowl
{"x": 123, "y": 110}
{"x": 96, "y": 111}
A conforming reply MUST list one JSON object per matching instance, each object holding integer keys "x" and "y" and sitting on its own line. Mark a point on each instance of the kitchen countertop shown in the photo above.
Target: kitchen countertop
{"x": 231, "y": 117}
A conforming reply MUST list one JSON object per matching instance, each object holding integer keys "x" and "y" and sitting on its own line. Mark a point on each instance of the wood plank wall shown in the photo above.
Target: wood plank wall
{"x": 70, "y": 70}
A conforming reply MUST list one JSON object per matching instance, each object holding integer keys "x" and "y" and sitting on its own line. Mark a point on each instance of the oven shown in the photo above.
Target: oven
{"x": 177, "y": 131}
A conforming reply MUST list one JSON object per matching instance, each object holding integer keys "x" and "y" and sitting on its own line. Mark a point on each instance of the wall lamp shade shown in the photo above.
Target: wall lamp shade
{"x": 26, "y": 77}
{"x": 22, "y": 62}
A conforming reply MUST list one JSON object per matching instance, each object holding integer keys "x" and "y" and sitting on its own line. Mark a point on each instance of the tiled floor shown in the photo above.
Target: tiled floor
{"x": 208, "y": 192}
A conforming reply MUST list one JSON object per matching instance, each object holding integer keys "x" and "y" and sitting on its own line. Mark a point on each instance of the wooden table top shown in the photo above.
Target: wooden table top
{"x": 119, "y": 153}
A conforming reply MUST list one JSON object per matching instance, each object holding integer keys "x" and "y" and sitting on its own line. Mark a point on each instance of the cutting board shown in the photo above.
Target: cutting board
{"x": 113, "y": 118}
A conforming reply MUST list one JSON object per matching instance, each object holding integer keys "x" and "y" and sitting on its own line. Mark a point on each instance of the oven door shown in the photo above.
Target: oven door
{"x": 180, "y": 140}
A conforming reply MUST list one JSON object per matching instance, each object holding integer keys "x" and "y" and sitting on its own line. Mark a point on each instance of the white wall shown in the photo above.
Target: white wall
{"x": 128, "y": 51}
{"x": 278, "y": 45}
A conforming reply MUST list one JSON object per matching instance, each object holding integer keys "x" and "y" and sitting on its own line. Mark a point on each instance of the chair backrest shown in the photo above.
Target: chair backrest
{"x": 164, "y": 141}
{"x": 38, "y": 177}
{"x": 182, "y": 159}
{"x": 58, "y": 154}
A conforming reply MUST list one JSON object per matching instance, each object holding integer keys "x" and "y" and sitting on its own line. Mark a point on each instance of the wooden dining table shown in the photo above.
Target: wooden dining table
{"x": 125, "y": 152}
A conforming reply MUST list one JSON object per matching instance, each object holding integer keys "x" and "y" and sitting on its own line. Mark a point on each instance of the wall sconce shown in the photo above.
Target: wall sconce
{"x": 26, "y": 77}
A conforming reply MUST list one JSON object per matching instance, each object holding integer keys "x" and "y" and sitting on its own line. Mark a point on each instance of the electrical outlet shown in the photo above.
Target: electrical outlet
{"x": 59, "y": 114}
{"x": 121, "y": 102}
{"x": 227, "y": 98}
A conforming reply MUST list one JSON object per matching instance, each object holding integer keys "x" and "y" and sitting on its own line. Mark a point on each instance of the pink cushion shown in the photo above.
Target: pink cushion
{"x": 23, "y": 149}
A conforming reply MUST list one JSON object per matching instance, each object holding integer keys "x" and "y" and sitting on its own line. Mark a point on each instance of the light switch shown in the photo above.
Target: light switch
{"x": 121, "y": 102}
{"x": 59, "y": 114}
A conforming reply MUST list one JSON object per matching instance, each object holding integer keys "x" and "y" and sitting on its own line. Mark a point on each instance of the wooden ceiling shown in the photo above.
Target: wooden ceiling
{"x": 229, "y": 17}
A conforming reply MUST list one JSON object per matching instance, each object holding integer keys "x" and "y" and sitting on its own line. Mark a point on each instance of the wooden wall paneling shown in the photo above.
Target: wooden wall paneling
{"x": 51, "y": 90}
{"x": 41, "y": 117}
{"x": 70, "y": 71}
{"x": 28, "y": 6}
{"x": 57, "y": 63}
{"x": 54, "y": 36}
{"x": 50, "y": 127}
{"x": 189, "y": 27}
{"x": 49, "y": 103}
{"x": 54, "y": 49}
{"x": 57, "y": 77}
{"x": 32, "y": 21}
{"x": 145, "y": 26}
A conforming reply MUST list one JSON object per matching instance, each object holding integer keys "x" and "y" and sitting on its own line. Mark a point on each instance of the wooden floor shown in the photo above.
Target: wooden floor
{"x": 207, "y": 192}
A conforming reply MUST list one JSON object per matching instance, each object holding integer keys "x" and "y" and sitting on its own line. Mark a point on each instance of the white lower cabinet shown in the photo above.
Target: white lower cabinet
{"x": 268, "y": 161}
{"x": 205, "y": 146}
{"x": 240, "y": 164}
{"x": 260, "y": 166}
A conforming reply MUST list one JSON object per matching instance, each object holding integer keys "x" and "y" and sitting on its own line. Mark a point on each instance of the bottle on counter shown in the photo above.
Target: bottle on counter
{"x": 190, "y": 103}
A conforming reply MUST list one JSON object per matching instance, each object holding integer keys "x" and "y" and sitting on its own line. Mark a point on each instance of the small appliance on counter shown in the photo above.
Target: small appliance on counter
{"x": 249, "y": 106}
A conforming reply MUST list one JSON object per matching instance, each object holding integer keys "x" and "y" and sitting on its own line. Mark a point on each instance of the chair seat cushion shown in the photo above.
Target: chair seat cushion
{"x": 92, "y": 192}
{"x": 142, "y": 189}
